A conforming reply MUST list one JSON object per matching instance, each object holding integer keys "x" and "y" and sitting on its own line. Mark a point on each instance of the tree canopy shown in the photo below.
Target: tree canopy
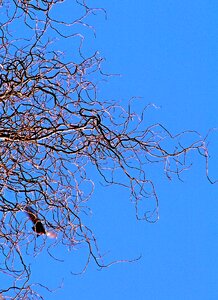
{"x": 55, "y": 128}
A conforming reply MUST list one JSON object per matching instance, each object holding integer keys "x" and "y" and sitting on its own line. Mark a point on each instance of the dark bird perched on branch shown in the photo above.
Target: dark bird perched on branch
{"x": 38, "y": 226}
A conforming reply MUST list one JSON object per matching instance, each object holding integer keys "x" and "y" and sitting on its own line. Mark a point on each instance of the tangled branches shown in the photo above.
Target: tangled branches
{"x": 55, "y": 132}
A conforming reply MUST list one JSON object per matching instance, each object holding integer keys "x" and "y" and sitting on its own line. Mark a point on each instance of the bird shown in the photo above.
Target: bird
{"x": 38, "y": 226}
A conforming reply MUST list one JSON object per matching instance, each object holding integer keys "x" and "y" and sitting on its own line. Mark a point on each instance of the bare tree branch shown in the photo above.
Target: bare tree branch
{"x": 54, "y": 128}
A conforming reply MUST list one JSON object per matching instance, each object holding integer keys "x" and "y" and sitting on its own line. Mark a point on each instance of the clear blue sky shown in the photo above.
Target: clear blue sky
{"x": 167, "y": 53}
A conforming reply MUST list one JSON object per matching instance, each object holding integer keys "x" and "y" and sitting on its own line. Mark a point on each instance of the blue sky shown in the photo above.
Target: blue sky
{"x": 166, "y": 52}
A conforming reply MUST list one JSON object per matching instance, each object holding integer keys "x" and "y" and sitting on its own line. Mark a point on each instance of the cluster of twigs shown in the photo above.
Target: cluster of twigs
{"x": 54, "y": 129}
